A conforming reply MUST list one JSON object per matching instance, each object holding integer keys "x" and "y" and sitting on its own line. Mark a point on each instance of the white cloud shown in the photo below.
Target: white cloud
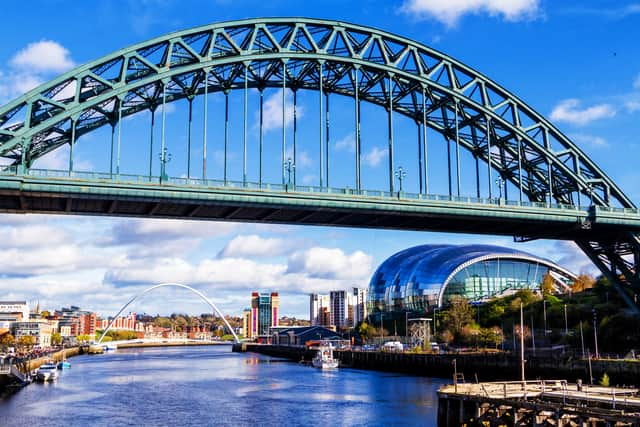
{"x": 569, "y": 256}
{"x": 632, "y": 106}
{"x": 374, "y": 156}
{"x": 325, "y": 263}
{"x": 272, "y": 112}
{"x": 31, "y": 66}
{"x": 590, "y": 140}
{"x": 569, "y": 111}
{"x": 347, "y": 143}
{"x": 42, "y": 57}
{"x": 59, "y": 160}
{"x": 450, "y": 11}
{"x": 255, "y": 246}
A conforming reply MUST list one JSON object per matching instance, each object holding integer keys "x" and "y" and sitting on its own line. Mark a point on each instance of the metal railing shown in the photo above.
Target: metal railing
{"x": 12, "y": 170}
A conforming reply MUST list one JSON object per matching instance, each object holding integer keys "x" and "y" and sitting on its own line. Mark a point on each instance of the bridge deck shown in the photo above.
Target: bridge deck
{"x": 136, "y": 196}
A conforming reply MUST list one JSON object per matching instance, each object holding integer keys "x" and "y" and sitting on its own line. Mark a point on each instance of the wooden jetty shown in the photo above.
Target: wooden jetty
{"x": 537, "y": 403}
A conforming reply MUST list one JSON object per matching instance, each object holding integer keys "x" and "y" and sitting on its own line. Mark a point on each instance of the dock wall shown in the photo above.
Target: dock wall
{"x": 484, "y": 366}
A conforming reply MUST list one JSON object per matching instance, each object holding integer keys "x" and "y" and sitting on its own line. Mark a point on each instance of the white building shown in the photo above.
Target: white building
{"x": 340, "y": 308}
{"x": 20, "y": 309}
{"x": 319, "y": 310}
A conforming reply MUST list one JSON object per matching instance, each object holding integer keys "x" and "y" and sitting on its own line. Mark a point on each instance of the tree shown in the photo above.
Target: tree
{"x": 7, "y": 340}
{"x": 491, "y": 337}
{"x": 583, "y": 282}
{"x": 27, "y": 341}
{"x": 365, "y": 331}
{"x": 56, "y": 338}
{"x": 547, "y": 286}
{"x": 459, "y": 315}
{"x": 604, "y": 381}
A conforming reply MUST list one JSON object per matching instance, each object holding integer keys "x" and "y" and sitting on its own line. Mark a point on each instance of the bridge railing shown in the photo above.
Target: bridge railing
{"x": 12, "y": 170}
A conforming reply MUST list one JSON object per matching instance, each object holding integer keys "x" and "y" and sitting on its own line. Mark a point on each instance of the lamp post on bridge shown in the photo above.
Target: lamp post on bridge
{"x": 164, "y": 159}
{"x": 500, "y": 183}
{"x": 401, "y": 174}
{"x": 289, "y": 166}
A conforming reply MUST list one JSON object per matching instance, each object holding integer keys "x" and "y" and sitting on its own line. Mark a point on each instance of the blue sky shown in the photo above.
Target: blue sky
{"x": 575, "y": 62}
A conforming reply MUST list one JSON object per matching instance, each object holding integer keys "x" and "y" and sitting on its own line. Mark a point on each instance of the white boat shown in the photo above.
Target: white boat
{"x": 110, "y": 347}
{"x": 47, "y": 372}
{"x": 324, "y": 358}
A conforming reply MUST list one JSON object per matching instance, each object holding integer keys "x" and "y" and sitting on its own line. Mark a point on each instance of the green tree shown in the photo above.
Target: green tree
{"x": 459, "y": 315}
{"x": 56, "y": 338}
{"x": 366, "y": 331}
{"x": 604, "y": 381}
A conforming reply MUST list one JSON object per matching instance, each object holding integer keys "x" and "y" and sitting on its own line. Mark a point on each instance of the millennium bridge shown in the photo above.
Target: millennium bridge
{"x": 460, "y": 152}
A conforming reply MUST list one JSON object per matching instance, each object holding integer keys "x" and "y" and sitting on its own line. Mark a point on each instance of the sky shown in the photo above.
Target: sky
{"x": 575, "y": 62}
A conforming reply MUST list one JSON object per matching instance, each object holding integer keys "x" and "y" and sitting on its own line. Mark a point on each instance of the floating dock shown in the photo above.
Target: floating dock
{"x": 537, "y": 403}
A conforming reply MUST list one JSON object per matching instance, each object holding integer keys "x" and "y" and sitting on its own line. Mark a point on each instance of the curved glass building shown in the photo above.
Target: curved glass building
{"x": 423, "y": 277}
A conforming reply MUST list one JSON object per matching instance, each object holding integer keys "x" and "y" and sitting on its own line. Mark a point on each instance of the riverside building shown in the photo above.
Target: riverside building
{"x": 340, "y": 309}
{"x": 261, "y": 315}
{"x": 423, "y": 278}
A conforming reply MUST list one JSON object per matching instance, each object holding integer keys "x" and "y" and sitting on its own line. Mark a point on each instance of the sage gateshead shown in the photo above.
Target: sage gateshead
{"x": 425, "y": 277}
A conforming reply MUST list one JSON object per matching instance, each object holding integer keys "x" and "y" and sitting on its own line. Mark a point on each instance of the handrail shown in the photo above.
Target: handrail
{"x": 12, "y": 170}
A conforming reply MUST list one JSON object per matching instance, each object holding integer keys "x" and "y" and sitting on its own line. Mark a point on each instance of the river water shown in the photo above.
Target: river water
{"x": 206, "y": 386}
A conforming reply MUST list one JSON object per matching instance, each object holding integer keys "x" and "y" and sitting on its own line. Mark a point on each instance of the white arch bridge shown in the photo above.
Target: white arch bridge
{"x": 163, "y": 285}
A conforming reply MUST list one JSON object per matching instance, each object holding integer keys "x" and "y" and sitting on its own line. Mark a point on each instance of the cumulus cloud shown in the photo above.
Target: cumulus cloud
{"x": 449, "y": 12}
{"x": 43, "y": 56}
{"x": 272, "y": 112}
{"x": 255, "y": 246}
{"x": 374, "y": 156}
{"x": 33, "y": 65}
{"x": 325, "y": 263}
{"x": 347, "y": 143}
{"x": 569, "y": 111}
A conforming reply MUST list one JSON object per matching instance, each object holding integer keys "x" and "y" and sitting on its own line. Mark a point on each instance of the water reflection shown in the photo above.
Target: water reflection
{"x": 212, "y": 386}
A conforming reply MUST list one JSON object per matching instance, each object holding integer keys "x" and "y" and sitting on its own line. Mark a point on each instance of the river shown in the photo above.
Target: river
{"x": 204, "y": 386}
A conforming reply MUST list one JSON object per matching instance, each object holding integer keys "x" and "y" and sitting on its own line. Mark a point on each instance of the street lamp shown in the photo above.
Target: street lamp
{"x": 500, "y": 183}
{"x": 595, "y": 332}
{"x": 164, "y": 159}
{"x": 289, "y": 166}
{"x": 566, "y": 323}
{"x": 400, "y": 174}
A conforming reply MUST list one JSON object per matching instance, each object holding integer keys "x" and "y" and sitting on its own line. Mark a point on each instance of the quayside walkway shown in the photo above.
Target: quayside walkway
{"x": 537, "y": 403}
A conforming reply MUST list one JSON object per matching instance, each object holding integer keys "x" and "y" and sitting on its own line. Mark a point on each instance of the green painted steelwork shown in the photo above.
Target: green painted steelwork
{"x": 436, "y": 91}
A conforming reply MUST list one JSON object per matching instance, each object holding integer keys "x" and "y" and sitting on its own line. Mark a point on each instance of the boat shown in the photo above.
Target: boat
{"x": 47, "y": 372}
{"x": 110, "y": 347}
{"x": 63, "y": 364}
{"x": 324, "y": 358}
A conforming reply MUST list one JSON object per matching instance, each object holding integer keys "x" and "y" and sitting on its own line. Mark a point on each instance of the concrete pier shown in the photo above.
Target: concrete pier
{"x": 537, "y": 403}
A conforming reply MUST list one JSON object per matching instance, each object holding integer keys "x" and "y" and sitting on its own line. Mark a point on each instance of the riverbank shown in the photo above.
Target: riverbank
{"x": 483, "y": 366}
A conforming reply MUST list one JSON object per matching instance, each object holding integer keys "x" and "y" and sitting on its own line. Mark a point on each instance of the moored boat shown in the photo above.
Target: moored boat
{"x": 324, "y": 357}
{"x": 47, "y": 372}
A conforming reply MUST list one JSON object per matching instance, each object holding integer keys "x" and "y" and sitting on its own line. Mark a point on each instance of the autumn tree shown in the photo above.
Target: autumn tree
{"x": 583, "y": 282}
{"x": 547, "y": 286}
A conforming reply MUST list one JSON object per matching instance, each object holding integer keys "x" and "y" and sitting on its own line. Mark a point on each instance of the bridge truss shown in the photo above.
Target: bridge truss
{"x": 509, "y": 141}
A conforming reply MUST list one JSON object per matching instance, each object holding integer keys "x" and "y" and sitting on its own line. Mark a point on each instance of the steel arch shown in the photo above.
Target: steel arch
{"x": 494, "y": 125}
{"x": 522, "y": 146}
{"x": 164, "y": 285}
